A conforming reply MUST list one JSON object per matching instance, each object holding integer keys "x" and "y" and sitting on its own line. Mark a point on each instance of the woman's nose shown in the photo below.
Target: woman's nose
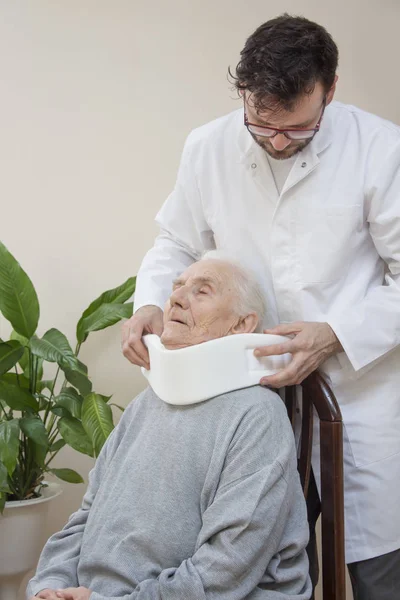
{"x": 280, "y": 142}
{"x": 179, "y": 297}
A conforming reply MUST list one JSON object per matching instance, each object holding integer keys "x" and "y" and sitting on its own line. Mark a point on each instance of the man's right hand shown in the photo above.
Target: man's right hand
{"x": 148, "y": 319}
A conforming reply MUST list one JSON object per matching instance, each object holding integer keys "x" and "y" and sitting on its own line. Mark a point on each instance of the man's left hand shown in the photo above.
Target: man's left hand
{"x": 310, "y": 346}
{"x": 77, "y": 593}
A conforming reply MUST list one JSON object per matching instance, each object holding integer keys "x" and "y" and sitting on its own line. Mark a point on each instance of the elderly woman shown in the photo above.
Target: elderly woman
{"x": 194, "y": 502}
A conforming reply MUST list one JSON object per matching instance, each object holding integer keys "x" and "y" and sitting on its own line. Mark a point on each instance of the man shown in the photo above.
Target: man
{"x": 191, "y": 502}
{"x": 308, "y": 190}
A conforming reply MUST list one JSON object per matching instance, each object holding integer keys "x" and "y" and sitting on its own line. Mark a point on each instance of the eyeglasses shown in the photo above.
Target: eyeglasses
{"x": 290, "y": 134}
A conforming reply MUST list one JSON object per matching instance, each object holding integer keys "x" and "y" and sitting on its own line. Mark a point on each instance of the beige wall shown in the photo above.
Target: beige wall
{"x": 96, "y": 98}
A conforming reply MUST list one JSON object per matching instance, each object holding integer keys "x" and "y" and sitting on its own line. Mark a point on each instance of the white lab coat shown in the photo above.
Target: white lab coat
{"x": 326, "y": 249}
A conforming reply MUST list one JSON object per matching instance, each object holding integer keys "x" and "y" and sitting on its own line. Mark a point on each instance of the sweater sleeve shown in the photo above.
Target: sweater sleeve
{"x": 184, "y": 236}
{"x": 58, "y": 562}
{"x": 244, "y": 525}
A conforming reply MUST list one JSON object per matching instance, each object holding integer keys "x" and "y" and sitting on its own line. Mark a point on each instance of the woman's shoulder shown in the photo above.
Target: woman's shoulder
{"x": 256, "y": 399}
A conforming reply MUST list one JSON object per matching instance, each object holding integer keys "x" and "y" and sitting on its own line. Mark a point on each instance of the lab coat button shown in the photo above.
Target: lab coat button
{"x": 253, "y": 166}
{"x": 303, "y": 164}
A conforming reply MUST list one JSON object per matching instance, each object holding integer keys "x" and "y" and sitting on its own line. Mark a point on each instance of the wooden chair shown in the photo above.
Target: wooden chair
{"x": 317, "y": 393}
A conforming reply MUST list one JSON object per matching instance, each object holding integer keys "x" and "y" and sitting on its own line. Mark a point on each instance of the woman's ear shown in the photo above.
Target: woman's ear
{"x": 246, "y": 324}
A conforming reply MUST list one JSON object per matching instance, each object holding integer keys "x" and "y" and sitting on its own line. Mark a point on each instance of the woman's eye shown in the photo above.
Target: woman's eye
{"x": 202, "y": 291}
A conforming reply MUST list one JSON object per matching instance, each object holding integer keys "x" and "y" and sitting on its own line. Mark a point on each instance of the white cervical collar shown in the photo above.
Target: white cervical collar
{"x": 196, "y": 373}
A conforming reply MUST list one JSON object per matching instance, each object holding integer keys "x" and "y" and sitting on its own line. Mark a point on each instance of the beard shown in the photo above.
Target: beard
{"x": 293, "y": 149}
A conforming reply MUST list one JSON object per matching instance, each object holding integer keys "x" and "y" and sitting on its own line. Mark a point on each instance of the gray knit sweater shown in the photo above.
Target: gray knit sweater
{"x": 199, "y": 502}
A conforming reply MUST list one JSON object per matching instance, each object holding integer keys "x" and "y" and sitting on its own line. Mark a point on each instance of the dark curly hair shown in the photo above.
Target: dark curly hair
{"x": 283, "y": 60}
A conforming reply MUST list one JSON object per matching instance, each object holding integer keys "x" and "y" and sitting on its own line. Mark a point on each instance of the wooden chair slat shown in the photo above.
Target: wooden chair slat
{"x": 317, "y": 393}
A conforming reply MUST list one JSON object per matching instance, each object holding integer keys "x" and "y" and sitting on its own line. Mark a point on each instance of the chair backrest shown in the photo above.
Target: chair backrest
{"x": 317, "y": 393}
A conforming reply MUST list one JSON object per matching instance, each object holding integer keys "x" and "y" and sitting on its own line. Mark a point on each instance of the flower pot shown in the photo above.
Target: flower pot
{"x": 21, "y": 538}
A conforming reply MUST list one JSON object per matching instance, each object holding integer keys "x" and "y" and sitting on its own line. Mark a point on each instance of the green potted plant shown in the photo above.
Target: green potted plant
{"x": 40, "y": 416}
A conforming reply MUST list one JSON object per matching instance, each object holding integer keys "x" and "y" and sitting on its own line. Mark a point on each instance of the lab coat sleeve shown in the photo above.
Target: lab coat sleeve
{"x": 184, "y": 236}
{"x": 371, "y": 328}
{"x": 244, "y": 524}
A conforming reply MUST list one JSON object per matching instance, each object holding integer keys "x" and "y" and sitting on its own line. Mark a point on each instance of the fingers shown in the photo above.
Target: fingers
{"x": 285, "y": 328}
{"x": 148, "y": 319}
{"x": 293, "y": 374}
{"x": 66, "y": 594}
{"x": 157, "y": 325}
{"x": 274, "y": 349}
{"x": 132, "y": 346}
{"x": 283, "y": 378}
{"x": 69, "y": 594}
{"x": 47, "y": 594}
{"x": 79, "y": 593}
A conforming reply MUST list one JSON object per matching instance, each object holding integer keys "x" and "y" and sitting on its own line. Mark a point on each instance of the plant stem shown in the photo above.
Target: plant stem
{"x": 51, "y": 458}
{"x": 13, "y": 489}
{"x": 53, "y": 437}
{"x": 7, "y": 416}
{"x": 46, "y": 413}
{"x": 51, "y": 424}
{"x": 31, "y": 389}
{"x": 35, "y": 370}
{"x": 54, "y": 383}
{"x": 17, "y": 374}
{"x": 64, "y": 385}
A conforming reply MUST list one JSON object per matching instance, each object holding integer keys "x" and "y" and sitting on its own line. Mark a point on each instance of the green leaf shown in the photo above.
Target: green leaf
{"x": 10, "y": 353}
{"x": 71, "y": 401}
{"x": 79, "y": 379}
{"x": 121, "y": 408}
{"x": 97, "y": 420}
{"x": 20, "y": 338}
{"x": 60, "y": 412}
{"x": 16, "y": 380}
{"x": 45, "y": 384}
{"x": 4, "y": 487}
{"x": 9, "y": 444}
{"x": 24, "y": 361}
{"x": 105, "y": 398}
{"x": 3, "y": 499}
{"x": 43, "y": 402}
{"x": 39, "y": 452}
{"x": 57, "y": 445}
{"x": 73, "y": 433}
{"x": 54, "y": 347}
{"x": 117, "y": 295}
{"x": 17, "y": 398}
{"x": 102, "y": 317}
{"x": 18, "y": 299}
{"x": 34, "y": 429}
{"x": 67, "y": 475}
{"x": 38, "y": 367}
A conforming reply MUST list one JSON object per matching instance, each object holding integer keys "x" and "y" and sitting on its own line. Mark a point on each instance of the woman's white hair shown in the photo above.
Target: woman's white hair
{"x": 250, "y": 297}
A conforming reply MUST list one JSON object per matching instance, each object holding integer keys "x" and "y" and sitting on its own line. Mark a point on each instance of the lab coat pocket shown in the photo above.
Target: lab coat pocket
{"x": 325, "y": 238}
{"x": 370, "y": 410}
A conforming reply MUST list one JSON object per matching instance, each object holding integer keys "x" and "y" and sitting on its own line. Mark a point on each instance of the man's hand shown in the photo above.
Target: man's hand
{"x": 79, "y": 593}
{"x": 311, "y": 345}
{"x": 148, "y": 319}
